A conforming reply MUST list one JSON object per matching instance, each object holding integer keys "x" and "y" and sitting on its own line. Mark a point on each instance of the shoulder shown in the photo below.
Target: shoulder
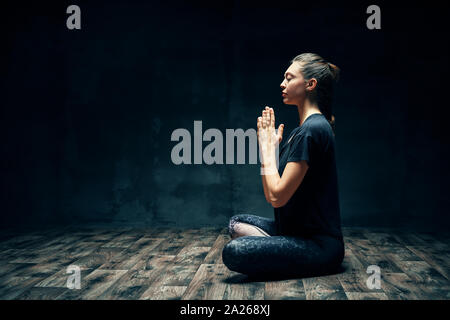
{"x": 316, "y": 128}
{"x": 316, "y": 124}
{"x": 319, "y": 131}
{"x": 319, "y": 128}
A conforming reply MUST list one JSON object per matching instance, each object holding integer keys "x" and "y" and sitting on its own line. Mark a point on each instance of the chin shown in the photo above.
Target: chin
{"x": 287, "y": 102}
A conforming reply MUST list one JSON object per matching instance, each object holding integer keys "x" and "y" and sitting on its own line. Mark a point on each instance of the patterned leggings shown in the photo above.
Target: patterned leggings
{"x": 278, "y": 256}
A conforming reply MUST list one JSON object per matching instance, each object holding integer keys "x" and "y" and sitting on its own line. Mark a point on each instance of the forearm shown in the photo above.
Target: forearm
{"x": 270, "y": 177}
{"x": 268, "y": 141}
{"x": 266, "y": 189}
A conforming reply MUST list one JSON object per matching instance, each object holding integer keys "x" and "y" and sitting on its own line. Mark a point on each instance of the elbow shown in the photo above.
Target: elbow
{"x": 277, "y": 202}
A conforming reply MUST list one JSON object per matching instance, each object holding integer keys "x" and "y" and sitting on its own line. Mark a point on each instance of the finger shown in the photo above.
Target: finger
{"x": 280, "y": 130}
{"x": 257, "y": 127}
{"x": 272, "y": 118}
{"x": 267, "y": 111}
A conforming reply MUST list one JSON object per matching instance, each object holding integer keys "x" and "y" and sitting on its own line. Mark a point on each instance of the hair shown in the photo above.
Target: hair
{"x": 326, "y": 74}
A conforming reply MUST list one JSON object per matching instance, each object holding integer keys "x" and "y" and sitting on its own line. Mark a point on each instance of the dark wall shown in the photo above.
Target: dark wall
{"x": 87, "y": 115}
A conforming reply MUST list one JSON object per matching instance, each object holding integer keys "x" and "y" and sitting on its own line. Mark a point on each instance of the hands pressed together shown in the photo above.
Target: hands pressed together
{"x": 268, "y": 138}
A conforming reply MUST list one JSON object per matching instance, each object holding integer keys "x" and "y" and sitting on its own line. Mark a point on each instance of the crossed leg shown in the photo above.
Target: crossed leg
{"x": 257, "y": 250}
{"x": 250, "y": 225}
{"x": 241, "y": 229}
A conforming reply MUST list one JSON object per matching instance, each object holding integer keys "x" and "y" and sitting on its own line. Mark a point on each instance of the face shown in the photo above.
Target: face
{"x": 294, "y": 85}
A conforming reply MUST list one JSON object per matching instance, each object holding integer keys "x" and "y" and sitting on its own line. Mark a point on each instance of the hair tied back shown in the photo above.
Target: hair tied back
{"x": 334, "y": 71}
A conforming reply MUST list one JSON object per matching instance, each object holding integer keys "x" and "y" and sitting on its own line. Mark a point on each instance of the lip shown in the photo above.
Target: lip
{"x": 283, "y": 94}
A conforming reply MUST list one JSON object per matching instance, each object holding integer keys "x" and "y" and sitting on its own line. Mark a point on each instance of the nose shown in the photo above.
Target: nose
{"x": 282, "y": 85}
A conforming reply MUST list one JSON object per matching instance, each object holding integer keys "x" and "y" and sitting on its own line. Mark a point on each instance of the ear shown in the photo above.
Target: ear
{"x": 311, "y": 84}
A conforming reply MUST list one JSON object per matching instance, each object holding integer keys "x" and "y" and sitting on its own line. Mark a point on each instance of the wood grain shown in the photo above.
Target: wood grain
{"x": 207, "y": 283}
{"x": 324, "y": 288}
{"x": 186, "y": 263}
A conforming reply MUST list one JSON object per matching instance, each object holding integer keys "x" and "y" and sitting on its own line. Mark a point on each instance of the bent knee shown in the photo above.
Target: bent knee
{"x": 230, "y": 255}
{"x": 232, "y": 225}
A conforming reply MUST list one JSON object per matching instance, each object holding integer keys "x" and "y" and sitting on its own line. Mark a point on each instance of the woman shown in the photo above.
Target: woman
{"x": 305, "y": 238}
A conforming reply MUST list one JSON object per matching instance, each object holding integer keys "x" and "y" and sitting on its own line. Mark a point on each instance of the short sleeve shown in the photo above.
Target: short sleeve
{"x": 300, "y": 148}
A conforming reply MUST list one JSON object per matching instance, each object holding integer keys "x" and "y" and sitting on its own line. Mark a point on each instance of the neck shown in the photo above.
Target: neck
{"x": 306, "y": 109}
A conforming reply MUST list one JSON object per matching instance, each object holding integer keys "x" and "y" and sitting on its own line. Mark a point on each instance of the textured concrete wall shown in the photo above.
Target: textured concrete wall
{"x": 87, "y": 115}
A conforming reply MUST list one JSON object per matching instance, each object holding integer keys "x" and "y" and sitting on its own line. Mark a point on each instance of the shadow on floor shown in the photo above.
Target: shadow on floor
{"x": 243, "y": 278}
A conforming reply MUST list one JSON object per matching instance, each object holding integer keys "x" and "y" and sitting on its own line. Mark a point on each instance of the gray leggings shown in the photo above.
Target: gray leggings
{"x": 278, "y": 256}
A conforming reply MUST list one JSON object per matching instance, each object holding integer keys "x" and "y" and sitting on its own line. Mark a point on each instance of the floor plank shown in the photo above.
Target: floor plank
{"x": 324, "y": 288}
{"x": 398, "y": 286}
{"x": 207, "y": 283}
{"x": 285, "y": 290}
{"x": 93, "y": 285}
{"x": 440, "y": 262}
{"x": 174, "y": 263}
{"x": 163, "y": 293}
{"x": 139, "y": 278}
{"x": 366, "y": 296}
{"x": 215, "y": 254}
{"x": 15, "y": 286}
{"x": 42, "y": 293}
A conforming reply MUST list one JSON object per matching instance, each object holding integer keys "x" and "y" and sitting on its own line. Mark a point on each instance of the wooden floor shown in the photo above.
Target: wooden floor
{"x": 168, "y": 263}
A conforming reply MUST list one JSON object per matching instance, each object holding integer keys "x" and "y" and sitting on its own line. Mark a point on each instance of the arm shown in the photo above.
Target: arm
{"x": 263, "y": 139}
{"x": 277, "y": 190}
{"x": 266, "y": 190}
{"x": 281, "y": 189}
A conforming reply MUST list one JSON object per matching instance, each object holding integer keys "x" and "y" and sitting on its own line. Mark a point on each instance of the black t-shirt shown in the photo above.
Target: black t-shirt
{"x": 314, "y": 207}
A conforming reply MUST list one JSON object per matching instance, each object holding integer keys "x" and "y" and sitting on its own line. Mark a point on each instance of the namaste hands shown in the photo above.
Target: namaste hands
{"x": 267, "y": 137}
